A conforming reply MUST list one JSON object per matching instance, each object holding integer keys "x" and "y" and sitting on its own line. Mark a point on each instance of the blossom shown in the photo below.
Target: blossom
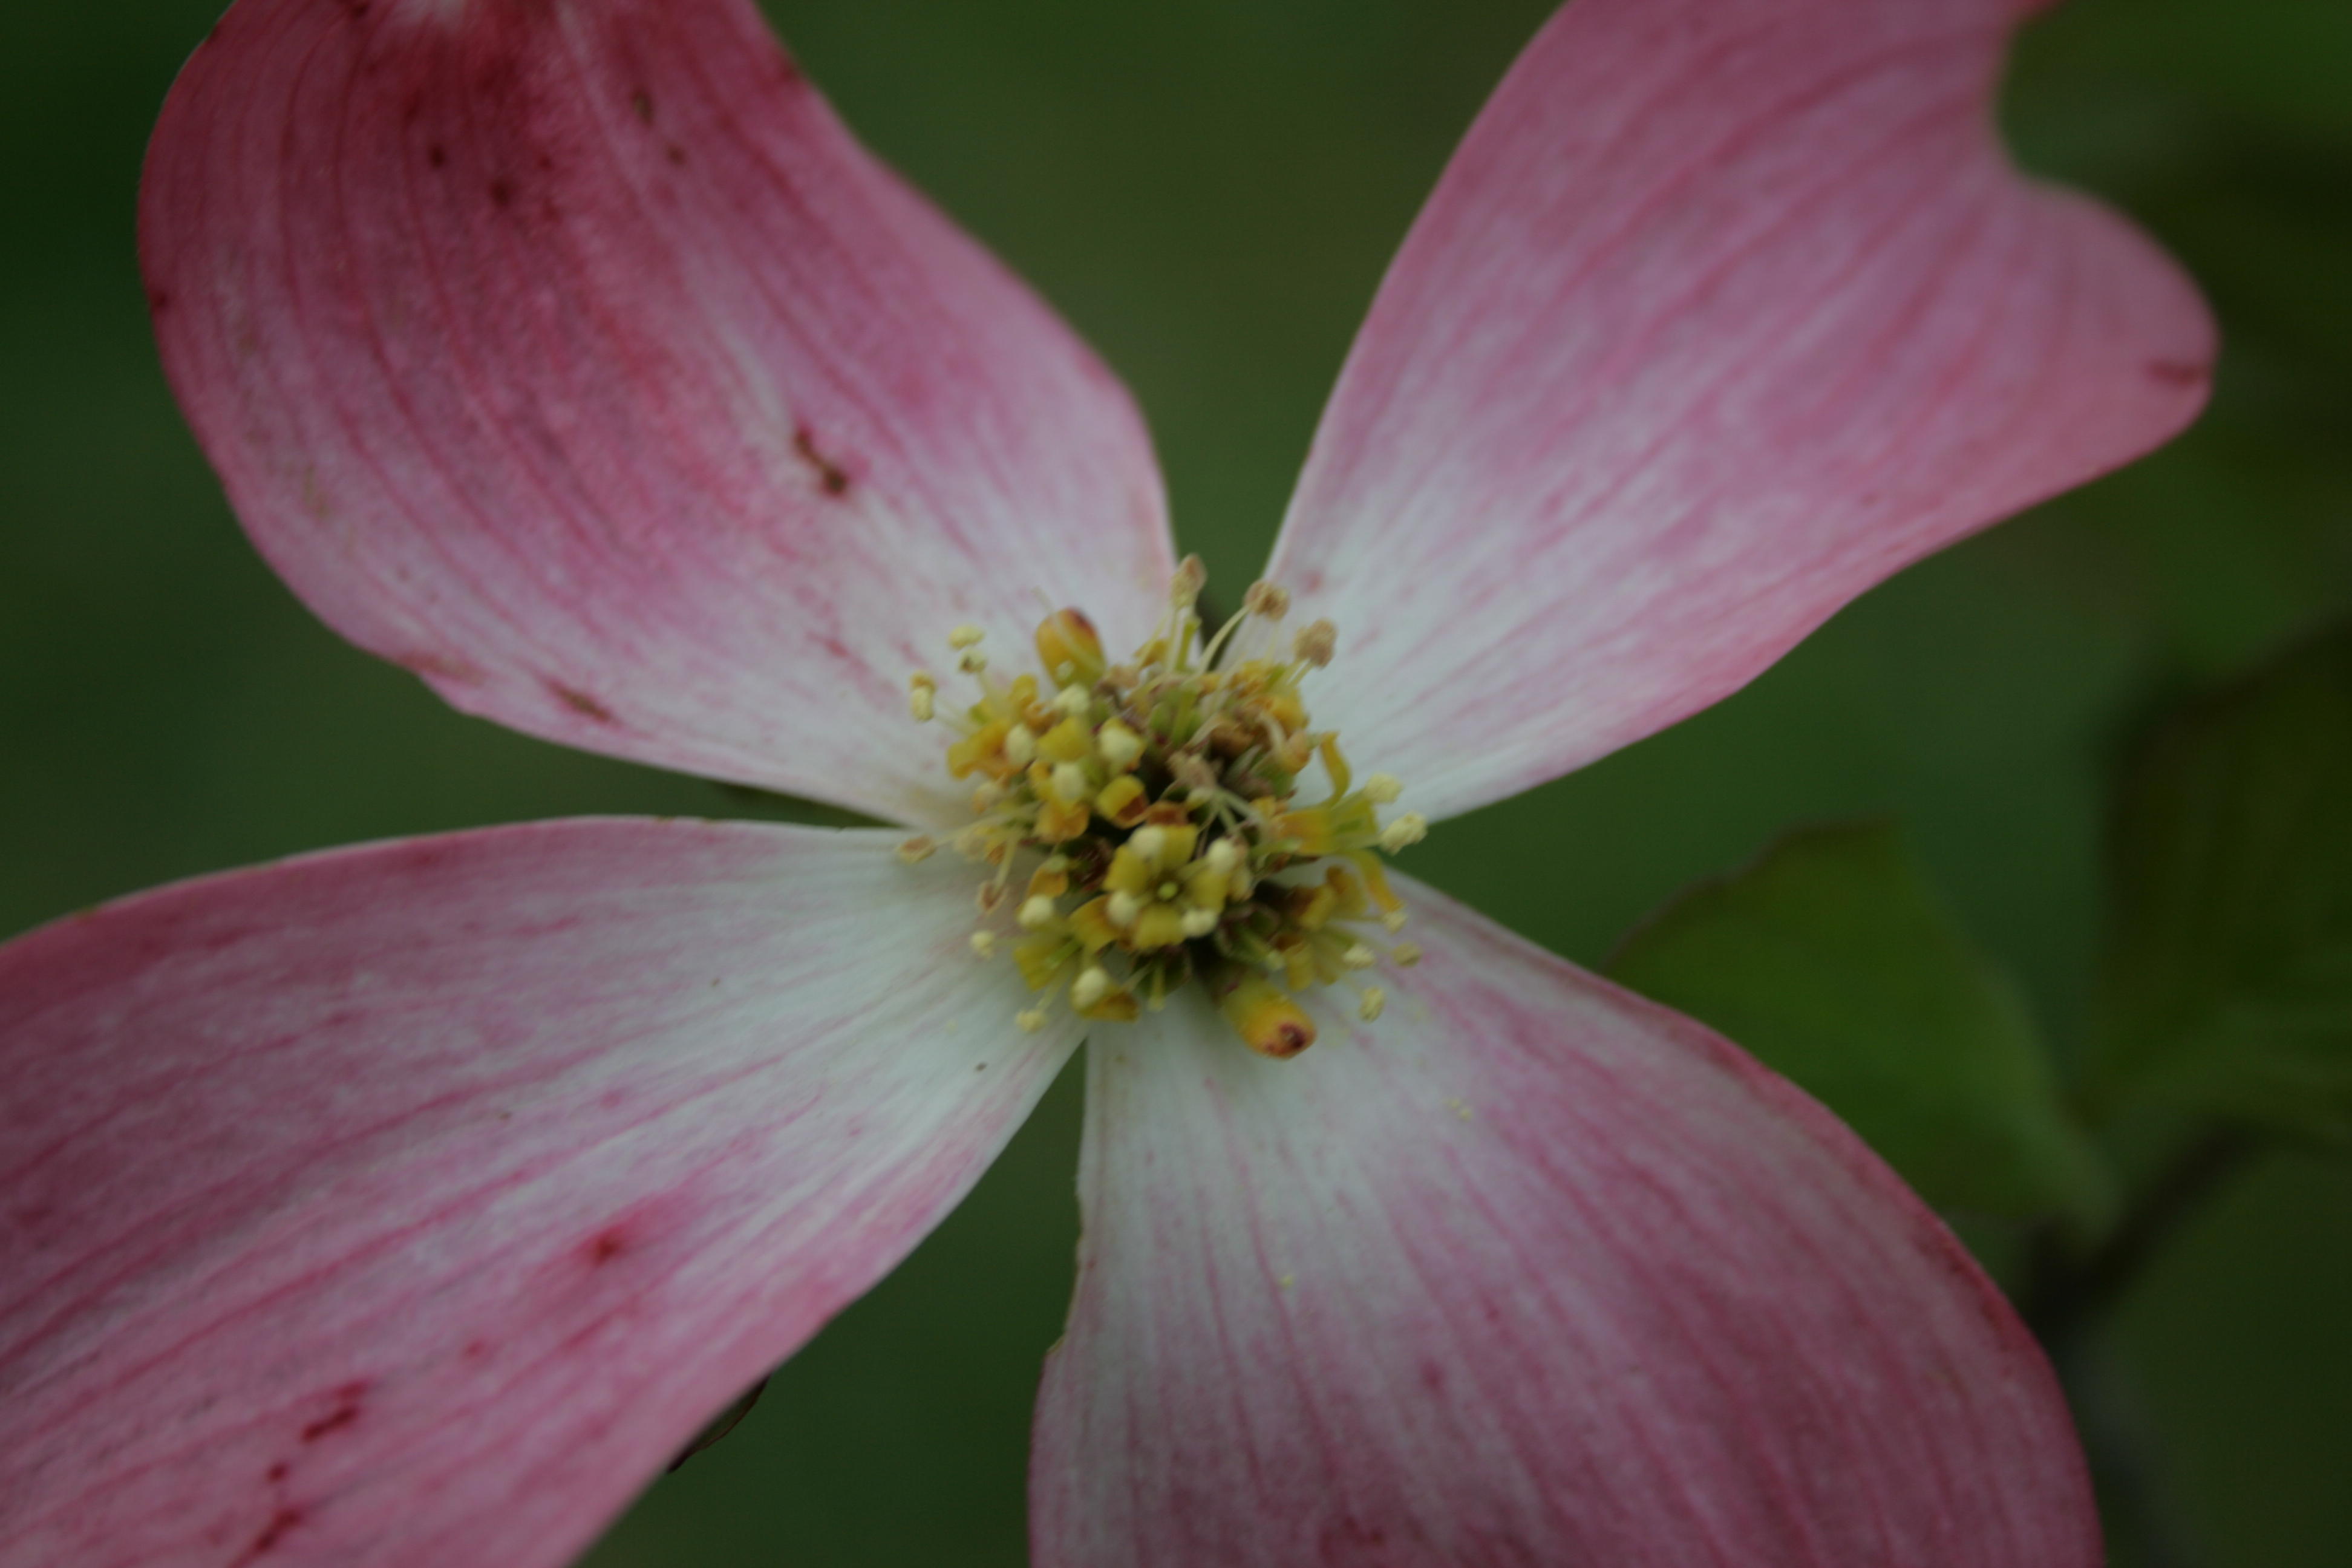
{"x": 412, "y": 1202}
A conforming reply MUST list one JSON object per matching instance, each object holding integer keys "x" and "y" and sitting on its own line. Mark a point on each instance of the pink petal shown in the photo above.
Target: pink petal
{"x": 413, "y": 1203}
{"x": 1722, "y": 313}
{"x": 576, "y": 358}
{"x": 1530, "y": 1271}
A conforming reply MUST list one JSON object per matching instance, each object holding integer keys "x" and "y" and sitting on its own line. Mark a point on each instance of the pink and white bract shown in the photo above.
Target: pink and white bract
{"x": 411, "y": 1203}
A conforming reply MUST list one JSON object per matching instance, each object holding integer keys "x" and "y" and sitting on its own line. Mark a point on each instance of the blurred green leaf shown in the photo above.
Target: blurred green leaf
{"x": 1833, "y": 959}
{"x": 772, "y": 806}
{"x": 2229, "y": 986}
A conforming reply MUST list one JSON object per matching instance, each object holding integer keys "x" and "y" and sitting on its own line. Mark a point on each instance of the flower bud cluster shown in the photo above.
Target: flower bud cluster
{"x": 1141, "y": 826}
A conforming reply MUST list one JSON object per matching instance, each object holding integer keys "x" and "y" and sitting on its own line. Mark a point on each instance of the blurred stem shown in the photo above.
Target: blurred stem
{"x": 2069, "y": 1293}
{"x": 2069, "y": 1288}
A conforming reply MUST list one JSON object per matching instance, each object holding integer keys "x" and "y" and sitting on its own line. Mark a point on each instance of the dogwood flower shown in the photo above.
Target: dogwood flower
{"x": 412, "y": 1202}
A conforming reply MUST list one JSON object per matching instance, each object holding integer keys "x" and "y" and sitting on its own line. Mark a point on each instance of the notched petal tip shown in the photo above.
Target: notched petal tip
{"x": 1721, "y": 314}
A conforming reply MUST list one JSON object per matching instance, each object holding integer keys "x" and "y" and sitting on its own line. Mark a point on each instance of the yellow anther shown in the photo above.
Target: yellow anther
{"x": 1069, "y": 647}
{"x": 1268, "y": 1022}
{"x": 965, "y": 636}
{"x": 1394, "y": 921}
{"x": 1382, "y": 789}
{"x": 1404, "y": 832}
{"x": 1359, "y": 956}
{"x": 1073, "y": 700}
{"x": 973, "y": 661}
{"x": 1068, "y": 741}
{"x": 1223, "y": 856}
{"x": 1050, "y": 881}
{"x": 1191, "y": 578}
{"x": 1020, "y": 745}
{"x": 918, "y": 847}
{"x": 1122, "y": 908}
{"x": 1036, "y": 913}
{"x": 1031, "y": 1019}
{"x": 983, "y": 943}
{"x": 981, "y": 750}
{"x": 921, "y": 690}
{"x": 1369, "y": 1005}
{"x": 1147, "y": 846}
{"x": 1059, "y": 821}
{"x": 1070, "y": 782}
{"x": 1159, "y": 925}
{"x": 1199, "y": 922}
{"x": 1316, "y": 644}
{"x": 1122, "y": 801}
{"x": 1406, "y": 954}
{"x": 1092, "y": 925}
{"x": 1118, "y": 746}
{"x": 1090, "y": 987}
{"x": 1268, "y": 599}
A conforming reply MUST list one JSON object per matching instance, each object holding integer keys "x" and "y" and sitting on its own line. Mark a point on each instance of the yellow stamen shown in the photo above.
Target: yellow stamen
{"x": 1150, "y": 810}
{"x": 1268, "y": 1022}
{"x": 1069, "y": 648}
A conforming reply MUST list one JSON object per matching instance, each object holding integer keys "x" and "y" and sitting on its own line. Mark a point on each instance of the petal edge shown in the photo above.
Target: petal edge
{"x": 1529, "y": 1272}
{"x": 413, "y": 1202}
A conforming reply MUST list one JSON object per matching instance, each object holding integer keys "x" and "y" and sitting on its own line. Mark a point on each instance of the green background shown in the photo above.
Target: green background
{"x": 1210, "y": 191}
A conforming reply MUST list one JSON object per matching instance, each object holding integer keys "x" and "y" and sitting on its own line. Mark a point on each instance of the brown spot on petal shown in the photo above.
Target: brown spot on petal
{"x": 441, "y": 667}
{"x": 580, "y": 702}
{"x": 831, "y": 476}
{"x": 2178, "y": 371}
{"x": 328, "y": 1424}
{"x": 502, "y": 193}
{"x": 347, "y": 1404}
{"x": 284, "y": 1520}
{"x": 641, "y": 104}
{"x": 606, "y": 1246}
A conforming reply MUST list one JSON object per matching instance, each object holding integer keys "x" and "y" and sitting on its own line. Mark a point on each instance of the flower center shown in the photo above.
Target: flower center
{"x": 1152, "y": 807}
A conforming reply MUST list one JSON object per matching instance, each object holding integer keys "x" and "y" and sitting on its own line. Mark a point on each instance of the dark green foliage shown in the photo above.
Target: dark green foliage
{"x": 1833, "y": 959}
{"x": 2229, "y": 987}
